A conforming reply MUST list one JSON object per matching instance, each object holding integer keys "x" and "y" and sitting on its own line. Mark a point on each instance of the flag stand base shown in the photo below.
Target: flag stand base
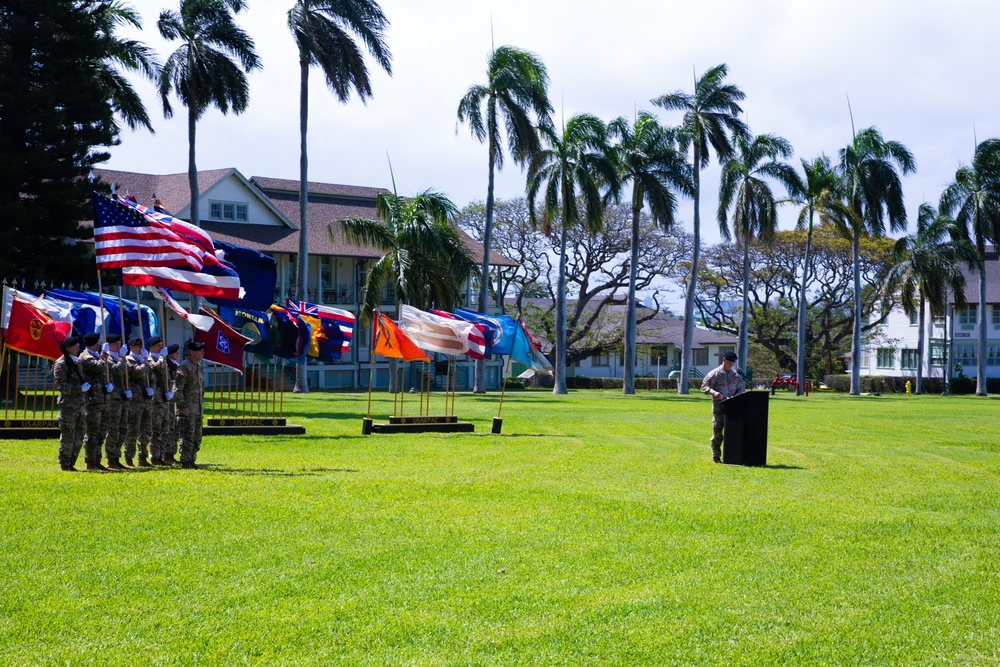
{"x": 497, "y": 425}
{"x": 366, "y": 426}
{"x": 424, "y": 424}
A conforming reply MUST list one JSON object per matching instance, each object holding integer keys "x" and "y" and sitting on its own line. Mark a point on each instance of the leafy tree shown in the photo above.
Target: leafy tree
{"x": 973, "y": 200}
{"x": 927, "y": 266}
{"x": 646, "y": 155}
{"x": 323, "y": 34}
{"x": 128, "y": 54}
{"x": 578, "y": 158}
{"x": 208, "y": 69}
{"x": 874, "y": 193}
{"x": 774, "y": 276}
{"x": 55, "y": 122}
{"x": 755, "y": 212}
{"x": 711, "y": 118}
{"x": 516, "y": 98}
{"x": 425, "y": 259}
{"x": 819, "y": 194}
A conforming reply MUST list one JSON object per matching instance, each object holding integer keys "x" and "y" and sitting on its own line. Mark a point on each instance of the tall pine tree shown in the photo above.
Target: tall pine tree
{"x": 55, "y": 121}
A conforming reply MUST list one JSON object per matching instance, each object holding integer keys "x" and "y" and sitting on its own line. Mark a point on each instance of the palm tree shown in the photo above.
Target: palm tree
{"x": 755, "y": 211}
{"x": 818, "y": 193}
{"x": 926, "y": 267}
{"x": 710, "y": 119}
{"x": 202, "y": 72}
{"x": 424, "y": 258}
{"x": 129, "y": 54}
{"x": 873, "y": 192}
{"x": 646, "y": 155}
{"x": 579, "y": 158}
{"x": 973, "y": 200}
{"x": 516, "y": 89}
{"x": 322, "y": 30}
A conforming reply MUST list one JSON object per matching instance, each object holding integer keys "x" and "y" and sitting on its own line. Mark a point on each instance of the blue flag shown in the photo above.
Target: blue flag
{"x": 253, "y": 324}
{"x": 504, "y": 328}
{"x": 258, "y": 275}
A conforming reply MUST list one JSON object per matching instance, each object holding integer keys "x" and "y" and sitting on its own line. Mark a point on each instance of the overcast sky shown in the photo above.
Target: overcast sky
{"x": 922, "y": 71}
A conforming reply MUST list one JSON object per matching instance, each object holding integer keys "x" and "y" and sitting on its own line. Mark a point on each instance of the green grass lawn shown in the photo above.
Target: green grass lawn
{"x": 594, "y": 531}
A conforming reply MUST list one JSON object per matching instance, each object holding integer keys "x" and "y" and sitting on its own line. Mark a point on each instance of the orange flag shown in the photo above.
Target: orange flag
{"x": 32, "y": 332}
{"x": 391, "y": 342}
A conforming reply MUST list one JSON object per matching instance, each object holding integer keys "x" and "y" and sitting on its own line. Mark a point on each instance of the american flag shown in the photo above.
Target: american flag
{"x": 154, "y": 249}
{"x": 343, "y": 318}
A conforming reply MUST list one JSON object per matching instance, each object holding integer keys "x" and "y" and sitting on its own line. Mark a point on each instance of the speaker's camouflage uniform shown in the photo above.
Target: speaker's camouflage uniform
{"x": 729, "y": 384}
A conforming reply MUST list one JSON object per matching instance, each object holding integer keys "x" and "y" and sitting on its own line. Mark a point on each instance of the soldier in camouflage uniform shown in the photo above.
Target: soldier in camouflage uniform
{"x": 94, "y": 366}
{"x": 72, "y": 404}
{"x": 189, "y": 388}
{"x": 162, "y": 394}
{"x": 721, "y": 383}
{"x": 117, "y": 410}
{"x": 173, "y": 352}
{"x": 140, "y": 407}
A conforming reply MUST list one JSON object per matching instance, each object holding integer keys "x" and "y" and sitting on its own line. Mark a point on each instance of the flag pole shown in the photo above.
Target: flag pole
{"x": 104, "y": 329}
{"x": 121, "y": 322}
{"x": 498, "y": 421}
{"x": 281, "y": 407}
{"x": 6, "y": 394}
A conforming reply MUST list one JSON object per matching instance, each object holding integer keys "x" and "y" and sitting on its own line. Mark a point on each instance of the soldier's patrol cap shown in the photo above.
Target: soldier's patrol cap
{"x": 153, "y": 340}
{"x": 197, "y": 346}
{"x": 91, "y": 338}
{"x": 173, "y": 347}
{"x": 70, "y": 341}
{"x": 134, "y": 340}
{"x": 114, "y": 338}
{"x": 730, "y": 356}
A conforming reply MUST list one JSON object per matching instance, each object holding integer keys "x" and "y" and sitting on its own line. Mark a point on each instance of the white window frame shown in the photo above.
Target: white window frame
{"x": 908, "y": 359}
{"x": 238, "y": 211}
{"x": 885, "y": 358}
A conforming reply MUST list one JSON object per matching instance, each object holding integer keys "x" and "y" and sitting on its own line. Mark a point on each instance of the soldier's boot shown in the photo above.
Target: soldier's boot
{"x": 129, "y": 463}
{"x": 169, "y": 460}
{"x": 188, "y": 465}
{"x": 144, "y": 462}
{"x": 95, "y": 466}
{"x": 115, "y": 464}
{"x": 158, "y": 462}
{"x": 67, "y": 467}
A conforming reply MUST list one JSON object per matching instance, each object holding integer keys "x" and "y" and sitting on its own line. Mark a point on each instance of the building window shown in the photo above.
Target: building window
{"x": 995, "y": 315}
{"x": 864, "y": 359}
{"x": 908, "y": 360}
{"x": 993, "y": 355}
{"x": 937, "y": 351}
{"x": 967, "y": 317}
{"x": 600, "y": 360}
{"x": 938, "y": 321}
{"x": 700, "y": 356}
{"x": 965, "y": 355}
{"x": 914, "y": 318}
{"x": 724, "y": 350}
{"x": 885, "y": 358}
{"x": 227, "y": 210}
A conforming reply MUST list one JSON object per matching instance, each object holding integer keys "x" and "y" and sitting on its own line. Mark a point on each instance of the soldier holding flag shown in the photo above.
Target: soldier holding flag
{"x": 189, "y": 388}
{"x": 72, "y": 404}
{"x": 94, "y": 366}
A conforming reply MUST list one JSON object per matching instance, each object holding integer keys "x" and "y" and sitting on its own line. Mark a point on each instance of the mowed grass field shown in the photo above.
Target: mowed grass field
{"x": 594, "y": 531}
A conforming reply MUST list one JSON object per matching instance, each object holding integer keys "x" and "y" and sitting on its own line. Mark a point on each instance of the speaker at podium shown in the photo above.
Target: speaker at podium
{"x": 744, "y": 435}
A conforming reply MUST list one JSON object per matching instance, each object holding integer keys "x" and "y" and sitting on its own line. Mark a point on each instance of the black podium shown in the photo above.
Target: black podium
{"x": 745, "y": 431}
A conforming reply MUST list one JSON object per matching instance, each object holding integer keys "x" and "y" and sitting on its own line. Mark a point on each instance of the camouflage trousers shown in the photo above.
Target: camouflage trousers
{"x": 140, "y": 412}
{"x": 158, "y": 429}
{"x": 117, "y": 427}
{"x": 72, "y": 425}
{"x": 97, "y": 430}
{"x": 170, "y": 448}
{"x": 189, "y": 430}
{"x": 718, "y": 422}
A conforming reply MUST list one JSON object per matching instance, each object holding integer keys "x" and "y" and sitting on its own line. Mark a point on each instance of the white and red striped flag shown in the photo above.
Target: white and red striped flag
{"x": 439, "y": 334}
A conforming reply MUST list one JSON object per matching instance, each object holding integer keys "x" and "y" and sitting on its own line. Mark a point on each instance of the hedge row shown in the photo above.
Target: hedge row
{"x": 897, "y": 385}
{"x": 641, "y": 383}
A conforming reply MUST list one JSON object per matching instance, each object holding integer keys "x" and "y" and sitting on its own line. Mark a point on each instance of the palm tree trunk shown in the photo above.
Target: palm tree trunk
{"x": 628, "y": 381}
{"x": 682, "y": 383}
{"x": 479, "y": 375}
{"x": 856, "y": 340}
{"x": 800, "y": 361}
{"x": 192, "y": 168}
{"x": 744, "y": 314}
{"x": 981, "y": 327}
{"x": 920, "y": 345}
{"x": 302, "y": 285}
{"x": 560, "y": 361}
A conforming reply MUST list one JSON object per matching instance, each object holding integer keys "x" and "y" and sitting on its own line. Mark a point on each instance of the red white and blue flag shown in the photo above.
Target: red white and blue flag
{"x": 154, "y": 249}
{"x": 342, "y": 319}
